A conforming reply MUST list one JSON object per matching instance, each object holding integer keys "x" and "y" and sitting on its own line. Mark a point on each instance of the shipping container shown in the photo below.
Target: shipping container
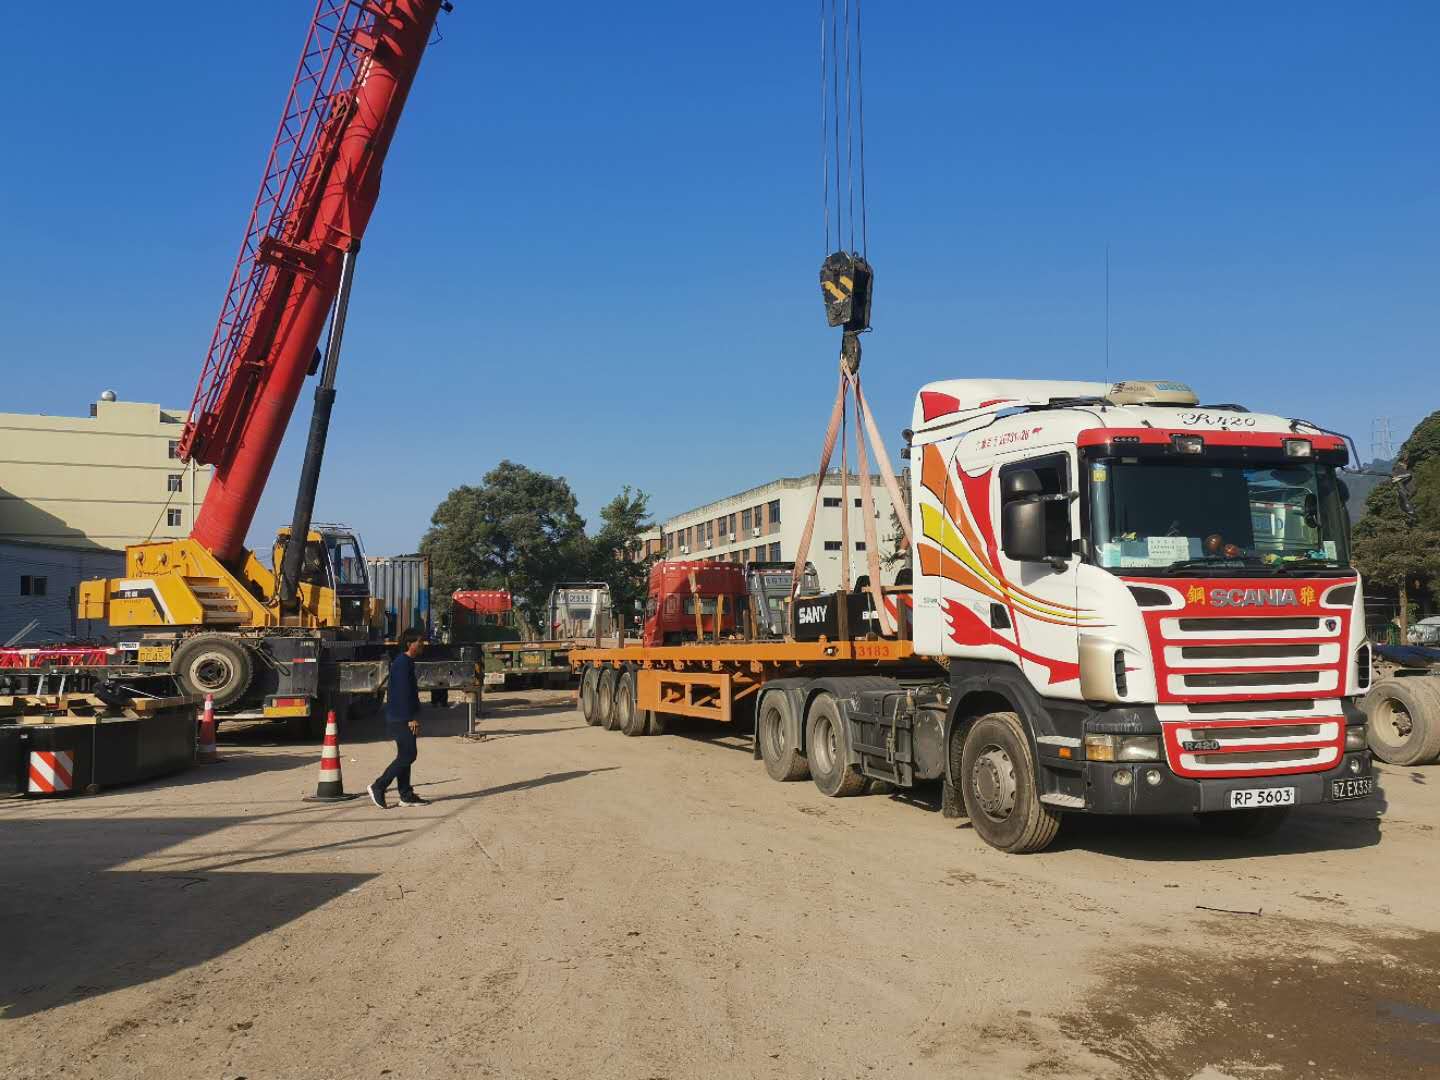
{"x": 402, "y": 585}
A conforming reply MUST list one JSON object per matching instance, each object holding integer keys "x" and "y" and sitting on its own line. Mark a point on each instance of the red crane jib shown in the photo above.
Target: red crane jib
{"x": 320, "y": 187}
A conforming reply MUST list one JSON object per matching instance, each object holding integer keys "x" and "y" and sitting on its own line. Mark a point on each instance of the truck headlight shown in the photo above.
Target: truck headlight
{"x": 1355, "y": 738}
{"x": 1122, "y": 748}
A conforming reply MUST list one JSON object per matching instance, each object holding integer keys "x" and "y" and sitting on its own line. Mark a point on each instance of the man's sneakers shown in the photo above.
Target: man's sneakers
{"x": 378, "y": 797}
{"x": 411, "y": 799}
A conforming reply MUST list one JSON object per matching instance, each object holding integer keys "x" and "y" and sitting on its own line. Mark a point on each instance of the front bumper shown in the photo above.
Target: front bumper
{"x": 1180, "y": 795}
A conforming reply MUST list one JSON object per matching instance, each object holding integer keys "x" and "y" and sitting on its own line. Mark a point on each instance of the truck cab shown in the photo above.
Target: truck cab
{"x": 1161, "y": 591}
{"x": 768, "y": 585}
{"x": 694, "y": 600}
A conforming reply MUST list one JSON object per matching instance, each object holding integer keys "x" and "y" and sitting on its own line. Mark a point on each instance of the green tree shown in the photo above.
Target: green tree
{"x": 518, "y": 529}
{"x": 1390, "y": 551}
{"x": 625, "y": 520}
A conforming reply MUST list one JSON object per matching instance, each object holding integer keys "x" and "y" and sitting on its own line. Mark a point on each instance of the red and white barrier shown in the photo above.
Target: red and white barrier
{"x": 52, "y": 772}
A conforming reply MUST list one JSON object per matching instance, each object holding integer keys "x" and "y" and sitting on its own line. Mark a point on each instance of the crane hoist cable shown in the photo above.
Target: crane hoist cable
{"x": 846, "y": 285}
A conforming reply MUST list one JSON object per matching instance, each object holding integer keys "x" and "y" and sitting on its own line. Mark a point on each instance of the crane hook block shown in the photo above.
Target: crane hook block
{"x": 845, "y": 282}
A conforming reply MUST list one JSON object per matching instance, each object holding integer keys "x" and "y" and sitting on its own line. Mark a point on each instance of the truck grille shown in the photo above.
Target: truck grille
{"x": 1201, "y": 740}
{"x": 1249, "y": 658}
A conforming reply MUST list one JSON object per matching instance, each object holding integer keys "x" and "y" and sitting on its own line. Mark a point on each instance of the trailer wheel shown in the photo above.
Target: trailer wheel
{"x": 654, "y": 722}
{"x": 215, "y": 664}
{"x": 605, "y": 699}
{"x": 772, "y": 728}
{"x": 589, "y": 694}
{"x": 828, "y": 747}
{"x": 628, "y": 718}
{"x": 997, "y": 781}
{"x": 1255, "y": 822}
{"x": 1403, "y": 719}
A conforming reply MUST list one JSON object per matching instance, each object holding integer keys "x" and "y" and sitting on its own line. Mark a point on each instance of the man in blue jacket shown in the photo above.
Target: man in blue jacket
{"x": 402, "y": 723}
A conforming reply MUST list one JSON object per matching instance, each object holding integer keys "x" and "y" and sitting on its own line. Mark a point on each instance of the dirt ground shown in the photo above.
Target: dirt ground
{"x": 576, "y": 903}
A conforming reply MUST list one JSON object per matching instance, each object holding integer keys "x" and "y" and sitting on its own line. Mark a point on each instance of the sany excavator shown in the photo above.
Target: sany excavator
{"x": 226, "y": 623}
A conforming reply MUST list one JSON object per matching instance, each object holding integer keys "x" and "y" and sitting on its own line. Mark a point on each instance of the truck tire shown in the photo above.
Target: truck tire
{"x": 828, "y": 750}
{"x": 654, "y": 722}
{"x": 1403, "y": 719}
{"x": 215, "y": 664}
{"x": 628, "y": 718}
{"x": 1255, "y": 822}
{"x": 605, "y": 699}
{"x": 589, "y": 695}
{"x": 772, "y": 729}
{"x": 998, "y": 783}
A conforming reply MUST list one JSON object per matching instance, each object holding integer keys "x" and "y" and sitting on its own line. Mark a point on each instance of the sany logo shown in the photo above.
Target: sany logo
{"x": 807, "y": 615}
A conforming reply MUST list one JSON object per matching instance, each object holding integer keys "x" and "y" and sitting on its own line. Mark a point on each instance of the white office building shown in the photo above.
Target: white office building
{"x": 764, "y": 524}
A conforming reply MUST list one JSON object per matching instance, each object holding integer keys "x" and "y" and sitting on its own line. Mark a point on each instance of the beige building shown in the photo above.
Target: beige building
{"x": 765, "y": 523}
{"x": 100, "y": 481}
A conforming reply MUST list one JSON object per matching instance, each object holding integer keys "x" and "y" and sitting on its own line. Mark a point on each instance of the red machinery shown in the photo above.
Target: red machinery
{"x": 319, "y": 188}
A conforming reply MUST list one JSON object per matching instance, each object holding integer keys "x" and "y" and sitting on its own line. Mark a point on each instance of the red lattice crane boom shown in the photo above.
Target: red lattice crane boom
{"x": 319, "y": 189}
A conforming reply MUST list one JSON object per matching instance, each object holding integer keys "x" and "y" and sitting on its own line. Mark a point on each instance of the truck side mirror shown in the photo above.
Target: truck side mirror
{"x": 1022, "y": 517}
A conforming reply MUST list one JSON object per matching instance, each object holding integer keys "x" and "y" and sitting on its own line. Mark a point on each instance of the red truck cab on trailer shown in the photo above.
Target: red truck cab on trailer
{"x": 694, "y": 599}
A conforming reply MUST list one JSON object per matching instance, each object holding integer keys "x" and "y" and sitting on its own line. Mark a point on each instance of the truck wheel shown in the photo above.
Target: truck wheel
{"x": 605, "y": 699}
{"x": 1255, "y": 822}
{"x": 828, "y": 746}
{"x": 1403, "y": 720}
{"x": 771, "y": 729}
{"x": 215, "y": 664}
{"x": 589, "y": 695}
{"x": 628, "y": 718}
{"x": 997, "y": 782}
{"x": 654, "y": 722}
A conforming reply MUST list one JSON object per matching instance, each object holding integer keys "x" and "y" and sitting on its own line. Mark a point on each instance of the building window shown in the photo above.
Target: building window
{"x": 832, "y": 545}
{"x": 175, "y": 482}
{"x": 860, "y": 545}
{"x": 33, "y": 586}
{"x": 859, "y": 503}
{"x": 775, "y": 512}
{"x": 774, "y": 552}
{"x": 832, "y": 502}
{"x": 745, "y": 520}
{"x": 174, "y": 451}
{"x": 172, "y": 518}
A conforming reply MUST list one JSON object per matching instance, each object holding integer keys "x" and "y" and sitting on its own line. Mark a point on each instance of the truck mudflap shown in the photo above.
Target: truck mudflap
{"x": 1106, "y": 793}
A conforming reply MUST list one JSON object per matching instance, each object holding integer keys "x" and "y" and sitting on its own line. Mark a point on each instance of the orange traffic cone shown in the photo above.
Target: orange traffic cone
{"x": 332, "y": 786}
{"x": 205, "y": 751}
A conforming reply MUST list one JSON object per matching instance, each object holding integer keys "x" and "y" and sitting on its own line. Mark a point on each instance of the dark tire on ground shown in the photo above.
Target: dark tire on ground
{"x": 997, "y": 782}
{"x": 770, "y": 730}
{"x": 628, "y": 718}
{"x": 654, "y": 722}
{"x": 827, "y": 744}
{"x": 589, "y": 694}
{"x": 1403, "y": 719}
{"x": 215, "y": 664}
{"x": 605, "y": 699}
{"x": 1255, "y": 822}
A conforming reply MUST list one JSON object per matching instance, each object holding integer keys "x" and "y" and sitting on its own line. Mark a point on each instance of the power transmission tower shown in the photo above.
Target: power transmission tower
{"x": 1382, "y": 444}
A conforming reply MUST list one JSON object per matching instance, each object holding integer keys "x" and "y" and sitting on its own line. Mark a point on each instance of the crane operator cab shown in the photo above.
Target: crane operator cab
{"x": 334, "y": 583}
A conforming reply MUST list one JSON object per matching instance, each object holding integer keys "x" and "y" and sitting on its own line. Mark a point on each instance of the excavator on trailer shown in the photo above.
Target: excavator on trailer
{"x": 304, "y": 628}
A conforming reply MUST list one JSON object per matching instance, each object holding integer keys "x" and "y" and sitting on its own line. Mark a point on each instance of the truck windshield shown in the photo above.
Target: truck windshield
{"x": 1208, "y": 517}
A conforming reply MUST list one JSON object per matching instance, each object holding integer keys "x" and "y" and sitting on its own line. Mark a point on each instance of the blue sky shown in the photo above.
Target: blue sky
{"x": 596, "y": 247}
